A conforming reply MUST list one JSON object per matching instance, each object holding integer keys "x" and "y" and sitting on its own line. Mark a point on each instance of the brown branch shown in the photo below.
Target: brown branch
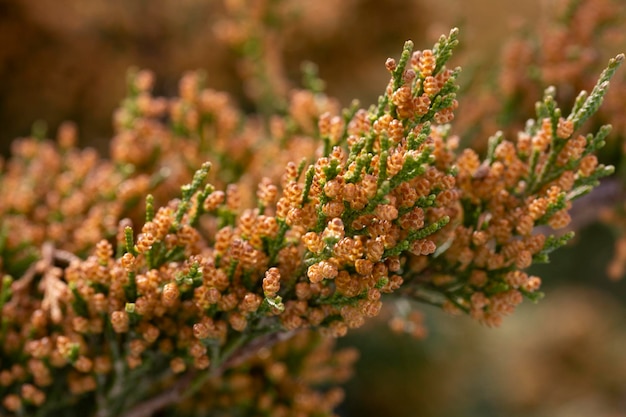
{"x": 588, "y": 209}
{"x": 247, "y": 351}
{"x": 37, "y": 268}
{"x": 50, "y": 256}
{"x": 170, "y": 396}
{"x": 177, "y": 392}
{"x": 51, "y": 284}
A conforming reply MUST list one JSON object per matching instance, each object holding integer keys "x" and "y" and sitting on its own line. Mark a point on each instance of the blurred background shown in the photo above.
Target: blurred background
{"x": 67, "y": 60}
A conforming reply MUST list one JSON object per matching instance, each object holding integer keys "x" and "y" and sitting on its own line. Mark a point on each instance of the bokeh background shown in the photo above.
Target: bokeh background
{"x": 67, "y": 60}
